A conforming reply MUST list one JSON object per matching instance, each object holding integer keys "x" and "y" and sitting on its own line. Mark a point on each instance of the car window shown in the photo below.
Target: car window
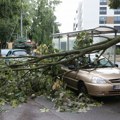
{"x": 9, "y": 53}
{"x": 20, "y": 53}
{"x": 90, "y": 61}
{"x": 104, "y": 63}
{"x": 93, "y": 61}
{"x": 101, "y": 62}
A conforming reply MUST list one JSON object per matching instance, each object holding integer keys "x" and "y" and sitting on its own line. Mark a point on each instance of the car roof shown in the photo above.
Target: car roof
{"x": 17, "y": 50}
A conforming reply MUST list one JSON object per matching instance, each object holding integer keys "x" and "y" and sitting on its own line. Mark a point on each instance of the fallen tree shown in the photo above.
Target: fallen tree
{"x": 20, "y": 80}
{"x": 39, "y": 76}
{"x": 102, "y": 46}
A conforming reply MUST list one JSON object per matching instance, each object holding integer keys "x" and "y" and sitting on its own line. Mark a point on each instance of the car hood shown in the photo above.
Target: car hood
{"x": 106, "y": 73}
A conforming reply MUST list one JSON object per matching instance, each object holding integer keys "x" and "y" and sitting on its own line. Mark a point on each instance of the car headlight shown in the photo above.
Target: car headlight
{"x": 98, "y": 80}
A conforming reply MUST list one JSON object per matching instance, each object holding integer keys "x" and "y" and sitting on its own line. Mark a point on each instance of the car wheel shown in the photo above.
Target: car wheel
{"x": 82, "y": 88}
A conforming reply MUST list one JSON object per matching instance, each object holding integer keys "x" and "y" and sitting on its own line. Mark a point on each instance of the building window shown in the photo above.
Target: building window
{"x": 63, "y": 46}
{"x": 117, "y": 28}
{"x": 76, "y": 25}
{"x": 103, "y": 2}
{"x": 102, "y": 20}
{"x": 117, "y": 11}
{"x": 117, "y": 20}
{"x": 103, "y": 10}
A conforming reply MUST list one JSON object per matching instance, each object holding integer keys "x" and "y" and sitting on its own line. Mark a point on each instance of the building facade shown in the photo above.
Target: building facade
{"x": 94, "y": 13}
{"x": 91, "y": 14}
{"x": 97, "y": 13}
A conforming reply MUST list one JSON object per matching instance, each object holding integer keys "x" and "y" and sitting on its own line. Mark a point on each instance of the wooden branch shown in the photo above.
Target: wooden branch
{"x": 76, "y": 53}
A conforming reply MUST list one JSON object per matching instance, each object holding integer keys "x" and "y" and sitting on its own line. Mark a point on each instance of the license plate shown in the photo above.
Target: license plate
{"x": 116, "y": 87}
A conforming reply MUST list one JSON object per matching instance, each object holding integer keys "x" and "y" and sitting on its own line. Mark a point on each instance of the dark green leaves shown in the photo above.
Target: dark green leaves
{"x": 114, "y": 4}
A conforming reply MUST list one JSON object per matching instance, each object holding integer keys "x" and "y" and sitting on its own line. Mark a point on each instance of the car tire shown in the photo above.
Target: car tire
{"x": 82, "y": 88}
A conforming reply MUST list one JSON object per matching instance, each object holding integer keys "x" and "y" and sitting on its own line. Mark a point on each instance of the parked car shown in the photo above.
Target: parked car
{"x": 16, "y": 54}
{"x": 97, "y": 76}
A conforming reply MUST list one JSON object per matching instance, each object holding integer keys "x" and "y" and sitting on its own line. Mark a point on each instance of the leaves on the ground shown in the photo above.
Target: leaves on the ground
{"x": 17, "y": 86}
{"x": 44, "y": 110}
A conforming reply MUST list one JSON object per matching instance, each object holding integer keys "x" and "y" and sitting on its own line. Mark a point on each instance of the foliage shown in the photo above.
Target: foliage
{"x": 9, "y": 8}
{"x": 18, "y": 85}
{"x": 43, "y": 21}
{"x": 118, "y": 51}
{"x": 10, "y": 19}
{"x": 38, "y": 20}
{"x": 44, "y": 49}
{"x": 19, "y": 82}
{"x": 83, "y": 39}
{"x": 114, "y": 4}
{"x": 67, "y": 101}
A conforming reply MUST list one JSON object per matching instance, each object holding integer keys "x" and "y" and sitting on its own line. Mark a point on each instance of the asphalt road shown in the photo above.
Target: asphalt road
{"x": 110, "y": 110}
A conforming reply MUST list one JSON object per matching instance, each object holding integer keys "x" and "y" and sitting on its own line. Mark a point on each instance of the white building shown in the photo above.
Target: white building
{"x": 91, "y": 14}
{"x": 94, "y": 13}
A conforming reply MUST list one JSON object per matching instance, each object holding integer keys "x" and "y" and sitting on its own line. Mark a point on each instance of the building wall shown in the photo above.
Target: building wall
{"x": 94, "y": 13}
{"x": 88, "y": 15}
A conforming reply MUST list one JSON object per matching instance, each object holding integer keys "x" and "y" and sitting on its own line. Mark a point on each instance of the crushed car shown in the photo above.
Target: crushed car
{"x": 92, "y": 74}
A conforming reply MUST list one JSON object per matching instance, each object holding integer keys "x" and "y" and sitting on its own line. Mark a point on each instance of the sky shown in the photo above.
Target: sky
{"x": 65, "y": 13}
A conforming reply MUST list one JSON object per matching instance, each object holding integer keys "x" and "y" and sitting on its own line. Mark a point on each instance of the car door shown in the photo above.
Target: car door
{"x": 69, "y": 76}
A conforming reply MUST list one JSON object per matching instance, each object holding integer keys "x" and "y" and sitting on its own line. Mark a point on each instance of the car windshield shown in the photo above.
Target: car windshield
{"x": 101, "y": 62}
{"x": 20, "y": 53}
{"x": 90, "y": 61}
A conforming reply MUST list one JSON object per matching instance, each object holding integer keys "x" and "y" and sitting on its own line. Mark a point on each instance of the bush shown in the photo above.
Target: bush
{"x": 118, "y": 51}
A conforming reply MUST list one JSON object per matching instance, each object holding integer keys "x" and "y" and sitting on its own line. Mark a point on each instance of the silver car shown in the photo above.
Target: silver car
{"x": 16, "y": 54}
